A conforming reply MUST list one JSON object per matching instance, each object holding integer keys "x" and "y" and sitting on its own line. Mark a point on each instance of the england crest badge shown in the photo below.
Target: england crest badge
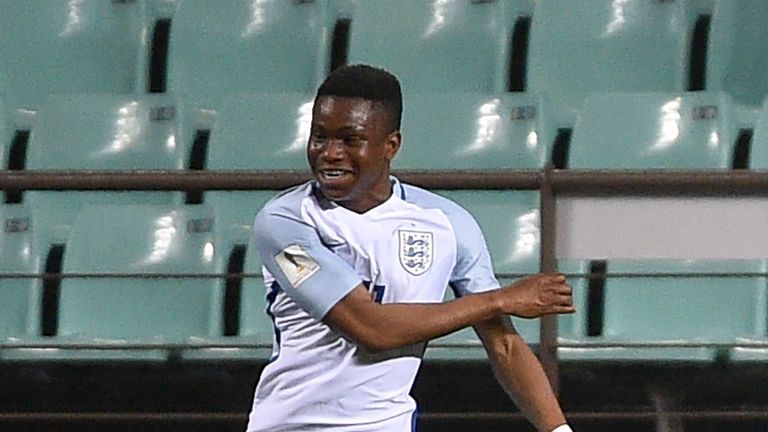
{"x": 416, "y": 250}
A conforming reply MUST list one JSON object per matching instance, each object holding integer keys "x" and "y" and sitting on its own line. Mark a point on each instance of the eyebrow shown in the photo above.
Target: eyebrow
{"x": 343, "y": 129}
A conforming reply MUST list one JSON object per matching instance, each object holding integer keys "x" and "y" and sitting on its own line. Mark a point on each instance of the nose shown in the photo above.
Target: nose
{"x": 333, "y": 150}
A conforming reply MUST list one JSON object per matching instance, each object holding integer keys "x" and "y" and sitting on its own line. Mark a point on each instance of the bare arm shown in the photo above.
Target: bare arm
{"x": 520, "y": 374}
{"x": 387, "y": 326}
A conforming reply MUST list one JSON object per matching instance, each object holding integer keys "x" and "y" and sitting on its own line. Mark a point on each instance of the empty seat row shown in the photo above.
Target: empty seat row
{"x": 152, "y": 274}
{"x": 471, "y": 131}
{"x": 565, "y": 50}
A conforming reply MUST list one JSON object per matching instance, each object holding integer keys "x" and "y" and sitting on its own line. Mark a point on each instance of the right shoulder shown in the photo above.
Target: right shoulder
{"x": 287, "y": 203}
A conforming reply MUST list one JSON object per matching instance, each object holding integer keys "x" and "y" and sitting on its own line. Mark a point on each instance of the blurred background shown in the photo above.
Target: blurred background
{"x": 623, "y": 142}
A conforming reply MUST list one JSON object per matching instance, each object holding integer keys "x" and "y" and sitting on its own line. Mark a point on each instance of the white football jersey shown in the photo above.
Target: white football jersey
{"x": 408, "y": 249}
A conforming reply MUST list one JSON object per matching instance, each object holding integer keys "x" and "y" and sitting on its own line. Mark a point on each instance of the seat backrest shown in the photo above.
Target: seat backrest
{"x": 758, "y": 155}
{"x": 254, "y": 317}
{"x": 687, "y": 307}
{"x": 579, "y": 47}
{"x": 436, "y": 46}
{"x": 235, "y": 212}
{"x": 655, "y": 130}
{"x": 474, "y": 131}
{"x": 6, "y": 134}
{"x": 146, "y": 240}
{"x": 261, "y": 131}
{"x": 247, "y": 45}
{"x": 103, "y": 131}
{"x": 64, "y": 46}
{"x": 20, "y": 252}
{"x": 737, "y": 58}
{"x": 510, "y": 224}
{"x": 110, "y": 131}
{"x": 267, "y": 131}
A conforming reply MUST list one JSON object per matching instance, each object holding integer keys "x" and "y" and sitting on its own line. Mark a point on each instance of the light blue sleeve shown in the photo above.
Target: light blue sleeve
{"x": 473, "y": 272}
{"x": 291, "y": 249}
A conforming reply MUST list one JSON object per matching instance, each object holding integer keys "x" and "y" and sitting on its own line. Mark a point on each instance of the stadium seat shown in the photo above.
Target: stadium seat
{"x": 737, "y": 58}
{"x": 474, "y": 131}
{"x": 256, "y": 131}
{"x": 98, "y": 132}
{"x": 579, "y": 47}
{"x": 148, "y": 240}
{"x": 265, "y": 46}
{"x": 437, "y": 46}
{"x": 671, "y": 311}
{"x": 20, "y": 252}
{"x": 65, "y": 46}
{"x": 758, "y": 155}
{"x": 6, "y": 134}
{"x": 513, "y": 241}
{"x": 655, "y": 130}
{"x": 254, "y": 340}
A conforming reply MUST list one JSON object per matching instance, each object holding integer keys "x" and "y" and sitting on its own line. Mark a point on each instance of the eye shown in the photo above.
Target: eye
{"x": 352, "y": 140}
{"x": 318, "y": 137}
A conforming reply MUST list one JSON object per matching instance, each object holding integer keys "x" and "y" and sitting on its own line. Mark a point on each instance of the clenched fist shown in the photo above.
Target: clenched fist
{"x": 537, "y": 295}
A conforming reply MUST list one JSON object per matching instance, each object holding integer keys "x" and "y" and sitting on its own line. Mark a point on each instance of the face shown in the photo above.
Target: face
{"x": 350, "y": 149}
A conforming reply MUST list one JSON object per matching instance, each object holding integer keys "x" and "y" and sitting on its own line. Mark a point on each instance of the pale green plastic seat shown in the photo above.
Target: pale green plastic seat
{"x": 673, "y": 311}
{"x": 758, "y": 155}
{"x": 255, "y": 323}
{"x": 105, "y": 132}
{"x": 474, "y": 131}
{"x": 655, "y": 131}
{"x": 578, "y": 47}
{"x": 256, "y": 331}
{"x": 737, "y": 60}
{"x": 65, "y": 46}
{"x": 262, "y": 131}
{"x": 147, "y": 240}
{"x": 245, "y": 45}
{"x": 510, "y": 224}
{"x": 20, "y": 252}
{"x": 256, "y": 131}
{"x": 437, "y": 46}
{"x": 6, "y": 133}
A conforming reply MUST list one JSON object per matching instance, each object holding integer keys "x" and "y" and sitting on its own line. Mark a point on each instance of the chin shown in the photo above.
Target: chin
{"x": 334, "y": 194}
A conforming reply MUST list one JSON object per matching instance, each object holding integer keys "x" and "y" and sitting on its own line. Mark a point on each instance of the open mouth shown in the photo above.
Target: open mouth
{"x": 331, "y": 175}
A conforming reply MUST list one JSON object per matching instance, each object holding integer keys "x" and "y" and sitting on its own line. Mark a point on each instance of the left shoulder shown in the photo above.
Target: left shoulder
{"x": 430, "y": 200}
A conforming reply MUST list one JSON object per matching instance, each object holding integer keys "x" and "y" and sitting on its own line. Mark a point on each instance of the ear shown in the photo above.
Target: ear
{"x": 392, "y": 145}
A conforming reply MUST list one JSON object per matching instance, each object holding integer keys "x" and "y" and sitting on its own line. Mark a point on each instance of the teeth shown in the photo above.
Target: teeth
{"x": 333, "y": 174}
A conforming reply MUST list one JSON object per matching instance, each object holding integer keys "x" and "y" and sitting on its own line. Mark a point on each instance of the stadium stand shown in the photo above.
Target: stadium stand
{"x": 265, "y": 46}
{"x": 580, "y": 47}
{"x": 154, "y": 240}
{"x": 759, "y": 149}
{"x": 474, "y": 131}
{"x": 256, "y": 131}
{"x": 20, "y": 252}
{"x": 513, "y": 240}
{"x": 674, "y": 311}
{"x": 99, "y": 132}
{"x": 489, "y": 85}
{"x": 255, "y": 331}
{"x": 738, "y": 57}
{"x": 63, "y": 46}
{"x": 437, "y": 46}
{"x": 695, "y": 130}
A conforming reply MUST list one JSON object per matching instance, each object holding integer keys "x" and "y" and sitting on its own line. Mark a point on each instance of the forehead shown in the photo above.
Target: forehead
{"x": 341, "y": 111}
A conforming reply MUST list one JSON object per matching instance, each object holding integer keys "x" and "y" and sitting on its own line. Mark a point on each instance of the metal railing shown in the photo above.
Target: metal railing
{"x": 548, "y": 182}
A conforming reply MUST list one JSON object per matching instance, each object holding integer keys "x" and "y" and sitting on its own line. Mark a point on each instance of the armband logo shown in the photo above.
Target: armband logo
{"x": 296, "y": 264}
{"x": 415, "y": 251}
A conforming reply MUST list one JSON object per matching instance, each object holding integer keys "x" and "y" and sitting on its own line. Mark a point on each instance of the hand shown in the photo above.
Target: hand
{"x": 537, "y": 295}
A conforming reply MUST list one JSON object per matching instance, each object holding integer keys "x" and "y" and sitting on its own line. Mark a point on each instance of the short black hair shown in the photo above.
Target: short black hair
{"x": 369, "y": 83}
